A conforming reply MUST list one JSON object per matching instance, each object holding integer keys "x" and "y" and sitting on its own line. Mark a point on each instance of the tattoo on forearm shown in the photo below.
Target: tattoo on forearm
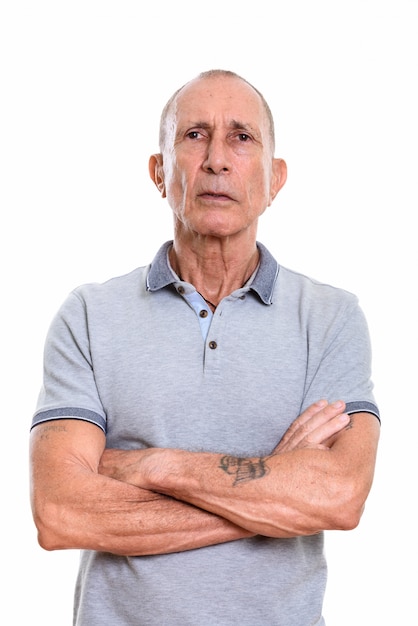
{"x": 244, "y": 469}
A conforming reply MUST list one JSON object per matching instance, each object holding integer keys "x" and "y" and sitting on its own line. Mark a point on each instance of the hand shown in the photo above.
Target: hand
{"x": 136, "y": 467}
{"x": 316, "y": 427}
{"x": 121, "y": 464}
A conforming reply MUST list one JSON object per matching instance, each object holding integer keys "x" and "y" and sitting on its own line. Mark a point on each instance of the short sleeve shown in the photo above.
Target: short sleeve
{"x": 69, "y": 389}
{"x": 340, "y": 362}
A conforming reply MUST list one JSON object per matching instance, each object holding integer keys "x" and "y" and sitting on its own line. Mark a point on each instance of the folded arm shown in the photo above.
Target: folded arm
{"x": 76, "y": 507}
{"x": 317, "y": 477}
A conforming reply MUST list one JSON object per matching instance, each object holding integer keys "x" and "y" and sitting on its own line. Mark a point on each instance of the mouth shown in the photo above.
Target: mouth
{"x": 212, "y": 195}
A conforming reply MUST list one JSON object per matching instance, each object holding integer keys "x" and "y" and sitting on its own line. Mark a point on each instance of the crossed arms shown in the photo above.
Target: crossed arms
{"x": 155, "y": 501}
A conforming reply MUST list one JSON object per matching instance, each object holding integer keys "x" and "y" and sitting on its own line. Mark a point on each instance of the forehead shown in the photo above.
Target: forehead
{"x": 221, "y": 98}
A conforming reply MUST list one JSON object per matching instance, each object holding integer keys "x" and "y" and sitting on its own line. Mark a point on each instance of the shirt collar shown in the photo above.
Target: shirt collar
{"x": 161, "y": 274}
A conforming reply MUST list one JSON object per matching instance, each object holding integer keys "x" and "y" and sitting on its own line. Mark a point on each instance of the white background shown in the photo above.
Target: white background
{"x": 82, "y": 86}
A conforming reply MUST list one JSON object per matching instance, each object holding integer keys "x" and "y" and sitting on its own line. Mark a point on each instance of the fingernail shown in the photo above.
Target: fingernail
{"x": 344, "y": 417}
{"x": 338, "y": 404}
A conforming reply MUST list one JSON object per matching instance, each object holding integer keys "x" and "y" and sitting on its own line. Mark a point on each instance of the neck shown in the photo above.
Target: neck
{"x": 214, "y": 270}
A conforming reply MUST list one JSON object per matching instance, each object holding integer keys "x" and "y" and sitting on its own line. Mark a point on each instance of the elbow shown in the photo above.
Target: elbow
{"x": 46, "y": 541}
{"x": 51, "y": 529}
{"x": 347, "y": 519}
{"x": 346, "y": 508}
{"x": 49, "y": 540}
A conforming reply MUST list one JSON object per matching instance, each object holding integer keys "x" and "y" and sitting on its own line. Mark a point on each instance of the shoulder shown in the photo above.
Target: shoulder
{"x": 117, "y": 292}
{"x": 119, "y": 286}
{"x": 317, "y": 305}
{"x": 101, "y": 301}
{"x": 310, "y": 290}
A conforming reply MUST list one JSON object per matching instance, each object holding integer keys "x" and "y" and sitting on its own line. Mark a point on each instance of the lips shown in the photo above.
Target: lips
{"x": 215, "y": 195}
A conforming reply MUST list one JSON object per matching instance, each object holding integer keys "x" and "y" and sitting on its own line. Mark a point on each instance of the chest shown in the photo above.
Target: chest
{"x": 162, "y": 385}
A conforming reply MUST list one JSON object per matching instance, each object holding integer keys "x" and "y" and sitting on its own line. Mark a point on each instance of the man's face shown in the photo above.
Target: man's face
{"x": 218, "y": 171}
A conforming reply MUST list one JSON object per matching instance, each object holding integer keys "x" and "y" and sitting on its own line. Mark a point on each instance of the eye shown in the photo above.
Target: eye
{"x": 244, "y": 137}
{"x": 193, "y": 134}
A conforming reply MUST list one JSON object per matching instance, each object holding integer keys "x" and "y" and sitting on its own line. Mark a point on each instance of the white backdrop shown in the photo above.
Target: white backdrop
{"x": 82, "y": 86}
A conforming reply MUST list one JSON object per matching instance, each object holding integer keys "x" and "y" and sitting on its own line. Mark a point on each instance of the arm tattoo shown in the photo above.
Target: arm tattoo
{"x": 47, "y": 428}
{"x": 244, "y": 469}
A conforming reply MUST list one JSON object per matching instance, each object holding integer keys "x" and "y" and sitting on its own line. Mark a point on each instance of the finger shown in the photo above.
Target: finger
{"x": 304, "y": 417}
{"x": 314, "y": 427}
{"x": 323, "y": 434}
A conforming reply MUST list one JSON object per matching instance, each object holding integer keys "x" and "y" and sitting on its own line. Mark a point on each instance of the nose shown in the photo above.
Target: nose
{"x": 216, "y": 159}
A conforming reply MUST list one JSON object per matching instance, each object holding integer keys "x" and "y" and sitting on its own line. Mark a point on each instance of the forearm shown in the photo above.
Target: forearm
{"x": 295, "y": 491}
{"x": 248, "y": 492}
{"x": 76, "y": 507}
{"x": 123, "y": 519}
{"x": 263, "y": 495}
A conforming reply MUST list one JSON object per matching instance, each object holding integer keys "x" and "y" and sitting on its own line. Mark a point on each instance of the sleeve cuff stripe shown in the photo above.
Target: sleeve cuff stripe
{"x": 70, "y": 413}
{"x": 362, "y": 407}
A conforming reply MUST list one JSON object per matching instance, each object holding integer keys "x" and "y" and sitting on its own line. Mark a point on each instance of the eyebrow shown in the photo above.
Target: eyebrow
{"x": 237, "y": 125}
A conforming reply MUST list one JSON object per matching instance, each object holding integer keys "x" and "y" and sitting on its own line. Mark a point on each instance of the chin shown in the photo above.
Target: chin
{"x": 218, "y": 226}
{"x": 216, "y": 231}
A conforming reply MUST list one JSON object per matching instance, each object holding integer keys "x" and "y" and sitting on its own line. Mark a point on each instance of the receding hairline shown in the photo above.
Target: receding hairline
{"x": 207, "y": 75}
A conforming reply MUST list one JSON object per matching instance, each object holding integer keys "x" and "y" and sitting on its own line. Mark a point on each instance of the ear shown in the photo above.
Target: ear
{"x": 279, "y": 176}
{"x": 155, "y": 167}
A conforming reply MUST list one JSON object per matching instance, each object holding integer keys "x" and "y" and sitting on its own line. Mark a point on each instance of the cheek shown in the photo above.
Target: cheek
{"x": 266, "y": 182}
{"x": 170, "y": 177}
{"x": 176, "y": 190}
{"x": 258, "y": 182}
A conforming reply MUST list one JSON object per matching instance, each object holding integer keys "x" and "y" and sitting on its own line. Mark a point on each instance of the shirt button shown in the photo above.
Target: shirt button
{"x": 213, "y": 345}
{"x": 203, "y": 313}
{"x": 180, "y": 289}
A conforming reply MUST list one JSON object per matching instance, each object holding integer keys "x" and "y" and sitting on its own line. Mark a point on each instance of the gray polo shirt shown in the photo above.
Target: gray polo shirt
{"x": 142, "y": 357}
